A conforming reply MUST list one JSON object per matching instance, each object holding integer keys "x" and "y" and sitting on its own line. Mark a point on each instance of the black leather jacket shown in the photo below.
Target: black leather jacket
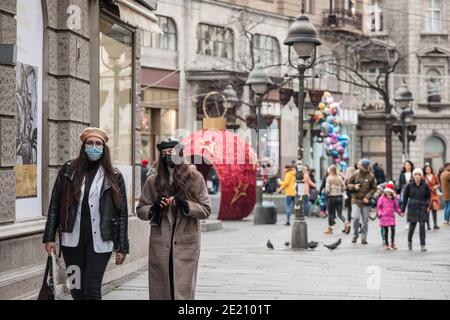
{"x": 113, "y": 223}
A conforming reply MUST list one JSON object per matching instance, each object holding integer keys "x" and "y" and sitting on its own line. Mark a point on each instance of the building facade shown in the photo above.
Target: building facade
{"x": 419, "y": 28}
{"x": 76, "y": 64}
{"x": 203, "y": 51}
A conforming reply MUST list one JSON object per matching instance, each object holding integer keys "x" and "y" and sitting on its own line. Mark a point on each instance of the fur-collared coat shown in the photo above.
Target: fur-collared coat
{"x": 184, "y": 240}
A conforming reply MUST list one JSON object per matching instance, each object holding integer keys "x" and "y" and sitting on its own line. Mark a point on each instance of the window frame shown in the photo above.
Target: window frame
{"x": 275, "y": 54}
{"x": 377, "y": 17}
{"x": 439, "y": 77}
{"x": 433, "y": 16}
{"x": 168, "y": 40}
{"x": 217, "y": 35}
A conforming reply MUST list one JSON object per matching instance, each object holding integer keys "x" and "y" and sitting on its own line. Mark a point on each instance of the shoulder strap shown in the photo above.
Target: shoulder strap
{"x": 60, "y": 243}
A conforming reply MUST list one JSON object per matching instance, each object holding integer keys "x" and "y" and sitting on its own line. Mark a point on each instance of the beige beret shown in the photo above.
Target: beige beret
{"x": 94, "y": 132}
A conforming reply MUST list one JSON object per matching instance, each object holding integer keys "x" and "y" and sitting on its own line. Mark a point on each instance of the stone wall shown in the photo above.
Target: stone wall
{"x": 7, "y": 116}
{"x": 69, "y": 81}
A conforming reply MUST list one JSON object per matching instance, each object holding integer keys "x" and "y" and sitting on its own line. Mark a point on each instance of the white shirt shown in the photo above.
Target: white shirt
{"x": 71, "y": 239}
{"x": 408, "y": 177}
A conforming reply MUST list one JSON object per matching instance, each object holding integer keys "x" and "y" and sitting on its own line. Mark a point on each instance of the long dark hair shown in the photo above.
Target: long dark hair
{"x": 404, "y": 168}
{"x": 425, "y": 171}
{"x": 181, "y": 174}
{"x": 81, "y": 164}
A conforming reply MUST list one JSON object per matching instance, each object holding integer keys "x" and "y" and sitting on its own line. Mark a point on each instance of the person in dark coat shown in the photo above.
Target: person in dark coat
{"x": 88, "y": 209}
{"x": 404, "y": 178}
{"x": 417, "y": 197}
{"x": 379, "y": 173}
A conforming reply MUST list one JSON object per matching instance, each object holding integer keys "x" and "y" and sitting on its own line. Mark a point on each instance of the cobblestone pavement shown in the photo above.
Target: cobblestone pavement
{"x": 235, "y": 264}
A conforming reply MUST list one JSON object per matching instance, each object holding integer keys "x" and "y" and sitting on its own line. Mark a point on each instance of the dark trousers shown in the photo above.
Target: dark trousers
{"x": 334, "y": 205}
{"x": 434, "y": 213}
{"x": 92, "y": 267}
{"x": 386, "y": 234}
{"x": 412, "y": 227}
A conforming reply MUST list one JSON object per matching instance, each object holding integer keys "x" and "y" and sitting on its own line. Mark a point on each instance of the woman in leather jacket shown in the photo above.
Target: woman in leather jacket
{"x": 88, "y": 208}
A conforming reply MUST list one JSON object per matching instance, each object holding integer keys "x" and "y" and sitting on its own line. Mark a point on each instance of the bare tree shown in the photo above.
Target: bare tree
{"x": 351, "y": 60}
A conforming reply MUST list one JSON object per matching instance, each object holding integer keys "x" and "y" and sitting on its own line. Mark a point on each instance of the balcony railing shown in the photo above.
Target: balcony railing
{"x": 342, "y": 19}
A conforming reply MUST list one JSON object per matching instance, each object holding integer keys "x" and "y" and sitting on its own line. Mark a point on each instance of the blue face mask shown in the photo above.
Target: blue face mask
{"x": 94, "y": 153}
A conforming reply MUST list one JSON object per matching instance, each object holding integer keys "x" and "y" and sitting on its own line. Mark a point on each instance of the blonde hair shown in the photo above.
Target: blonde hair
{"x": 333, "y": 174}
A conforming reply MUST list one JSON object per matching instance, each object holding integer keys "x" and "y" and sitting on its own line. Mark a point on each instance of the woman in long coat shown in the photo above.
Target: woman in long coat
{"x": 417, "y": 198}
{"x": 174, "y": 200}
{"x": 433, "y": 183}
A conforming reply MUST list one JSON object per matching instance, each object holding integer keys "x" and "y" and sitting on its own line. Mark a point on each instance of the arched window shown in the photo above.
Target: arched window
{"x": 434, "y": 152}
{"x": 266, "y": 49}
{"x": 165, "y": 41}
{"x": 434, "y": 86}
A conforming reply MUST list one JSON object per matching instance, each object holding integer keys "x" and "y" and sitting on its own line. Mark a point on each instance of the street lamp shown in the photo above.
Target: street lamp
{"x": 259, "y": 82}
{"x": 304, "y": 38}
{"x": 403, "y": 104}
{"x": 231, "y": 95}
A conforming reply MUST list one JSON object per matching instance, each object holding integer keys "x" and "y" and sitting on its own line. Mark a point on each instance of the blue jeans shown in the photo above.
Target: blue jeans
{"x": 289, "y": 206}
{"x": 306, "y": 205}
{"x": 447, "y": 210}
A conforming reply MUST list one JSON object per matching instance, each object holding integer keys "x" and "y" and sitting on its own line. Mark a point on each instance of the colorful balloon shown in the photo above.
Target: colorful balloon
{"x": 327, "y": 115}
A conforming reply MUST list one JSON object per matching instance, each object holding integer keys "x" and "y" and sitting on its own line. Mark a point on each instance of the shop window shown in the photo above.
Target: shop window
{"x": 116, "y": 105}
{"x": 374, "y": 148}
{"x": 266, "y": 50}
{"x": 215, "y": 41}
{"x": 28, "y": 120}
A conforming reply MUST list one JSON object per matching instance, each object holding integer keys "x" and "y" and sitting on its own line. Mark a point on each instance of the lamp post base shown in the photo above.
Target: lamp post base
{"x": 299, "y": 238}
{"x": 264, "y": 212}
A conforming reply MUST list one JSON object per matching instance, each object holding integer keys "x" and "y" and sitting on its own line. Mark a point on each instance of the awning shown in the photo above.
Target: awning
{"x": 138, "y": 16}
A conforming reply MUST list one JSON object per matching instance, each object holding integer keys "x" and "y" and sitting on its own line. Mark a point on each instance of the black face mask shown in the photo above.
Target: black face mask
{"x": 167, "y": 161}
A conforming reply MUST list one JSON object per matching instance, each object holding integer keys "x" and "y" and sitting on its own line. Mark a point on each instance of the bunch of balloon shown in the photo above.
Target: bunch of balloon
{"x": 327, "y": 117}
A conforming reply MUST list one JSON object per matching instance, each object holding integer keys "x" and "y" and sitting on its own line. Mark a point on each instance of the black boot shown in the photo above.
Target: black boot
{"x": 435, "y": 220}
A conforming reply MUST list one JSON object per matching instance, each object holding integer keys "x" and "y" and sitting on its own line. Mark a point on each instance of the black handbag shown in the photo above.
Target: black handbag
{"x": 47, "y": 291}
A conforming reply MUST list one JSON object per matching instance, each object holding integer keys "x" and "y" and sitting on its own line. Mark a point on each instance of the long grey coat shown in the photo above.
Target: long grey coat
{"x": 186, "y": 240}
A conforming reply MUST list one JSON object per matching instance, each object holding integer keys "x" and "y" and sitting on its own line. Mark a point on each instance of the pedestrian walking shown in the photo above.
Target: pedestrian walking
{"x": 417, "y": 199}
{"x": 379, "y": 173}
{"x": 348, "y": 200}
{"x": 144, "y": 171}
{"x": 363, "y": 186}
{"x": 445, "y": 185}
{"x": 335, "y": 189}
{"x": 432, "y": 182}
{"x": 288, "y": 186}
{"x": 403, "y": 180}
{"x": 174, "y": 200}
{"x": 387, "y": 206}
{"x": 88, "y": 207}
{"x": 308, "y": 184}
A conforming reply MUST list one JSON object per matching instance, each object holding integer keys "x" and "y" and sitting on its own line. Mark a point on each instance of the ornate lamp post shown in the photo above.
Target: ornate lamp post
{"x": 403, "y": 104}
{"x": 259, "y": 82}
{"x": 304, "y": 38}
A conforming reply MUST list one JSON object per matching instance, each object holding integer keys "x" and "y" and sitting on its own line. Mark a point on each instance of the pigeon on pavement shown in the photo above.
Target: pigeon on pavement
{"x": 269, "y": 244}
{"x": 333, "y": 245}
{"x": 287, "y": 243}
{"x": 312, "y": 244}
